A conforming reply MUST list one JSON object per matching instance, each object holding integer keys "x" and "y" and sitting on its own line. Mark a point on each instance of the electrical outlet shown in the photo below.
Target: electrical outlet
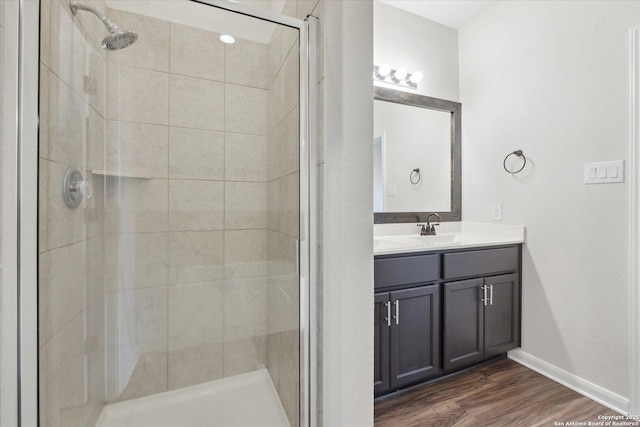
{"x": 496, "y": 212}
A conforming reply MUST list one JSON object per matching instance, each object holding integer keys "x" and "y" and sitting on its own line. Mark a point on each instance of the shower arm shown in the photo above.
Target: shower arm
{"x": 106, "y": 21}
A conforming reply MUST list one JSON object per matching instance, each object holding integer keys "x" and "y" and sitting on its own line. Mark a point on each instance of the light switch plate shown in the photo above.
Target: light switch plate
{"x": 604, "y": 172}
{"x": 496, "y": 212}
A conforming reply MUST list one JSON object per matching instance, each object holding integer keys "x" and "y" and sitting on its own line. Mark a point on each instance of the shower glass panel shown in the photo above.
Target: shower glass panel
{"x": 169, "y": 210}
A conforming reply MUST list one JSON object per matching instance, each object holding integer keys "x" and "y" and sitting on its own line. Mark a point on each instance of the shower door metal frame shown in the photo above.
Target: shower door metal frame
{"x": 9, "y": 236}
{"x": 27, "y": 29}
{"x": 27, "y": 211}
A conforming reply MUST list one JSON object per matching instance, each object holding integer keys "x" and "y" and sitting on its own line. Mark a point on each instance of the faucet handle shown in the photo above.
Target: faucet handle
{"x": 423, "y": 230}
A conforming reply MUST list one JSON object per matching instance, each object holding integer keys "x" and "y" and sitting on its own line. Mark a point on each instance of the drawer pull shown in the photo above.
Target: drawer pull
{"x": 491, "y": 295}
{"x": 484, "y": 295}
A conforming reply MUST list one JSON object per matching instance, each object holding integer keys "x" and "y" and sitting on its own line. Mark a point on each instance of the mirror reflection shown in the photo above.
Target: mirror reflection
{"x": 416, "y": 157}
{"x": 412, "y": 158}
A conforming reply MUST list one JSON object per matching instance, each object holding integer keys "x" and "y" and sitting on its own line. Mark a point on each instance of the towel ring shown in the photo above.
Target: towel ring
{"x": 415, "y": 172}
{"x": 518, "y": 153}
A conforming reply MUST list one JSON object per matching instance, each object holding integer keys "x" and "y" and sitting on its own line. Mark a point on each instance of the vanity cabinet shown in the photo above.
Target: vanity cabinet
{"x": 481, "y": 315}
{"x": 481, "y": 319}
{"x": 440, "y": 311}
{"x": 407, "y": 336}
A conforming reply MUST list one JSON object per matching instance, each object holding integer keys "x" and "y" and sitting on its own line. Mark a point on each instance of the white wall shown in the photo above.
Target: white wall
{"x": 348, "y": 221}
{"x": 551, "y": 78}
{"x": 414, "y": 138}
{"x": 406, "y": 40}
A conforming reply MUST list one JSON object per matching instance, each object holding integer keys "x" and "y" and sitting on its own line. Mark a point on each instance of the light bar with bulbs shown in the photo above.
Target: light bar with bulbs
{"x": 399, "y": 76}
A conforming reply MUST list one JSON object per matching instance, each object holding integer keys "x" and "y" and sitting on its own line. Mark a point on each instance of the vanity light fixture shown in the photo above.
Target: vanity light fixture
{"x": 399, "y": 76}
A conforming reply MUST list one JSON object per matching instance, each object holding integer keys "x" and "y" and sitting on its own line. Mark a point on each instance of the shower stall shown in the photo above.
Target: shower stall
{"x": 173, "y": 215}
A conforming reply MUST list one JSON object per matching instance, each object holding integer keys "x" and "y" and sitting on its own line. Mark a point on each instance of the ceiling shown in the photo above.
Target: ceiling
{"x": 452, "y": 13}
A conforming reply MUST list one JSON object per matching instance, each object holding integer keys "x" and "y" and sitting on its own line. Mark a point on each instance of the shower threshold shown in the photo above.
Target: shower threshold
{"x": 243, "y": 400}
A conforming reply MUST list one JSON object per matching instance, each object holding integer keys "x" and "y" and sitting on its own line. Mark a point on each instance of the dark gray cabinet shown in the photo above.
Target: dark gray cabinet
{"x": 381, "y": 342}
{"x": 481, "y": 319}
{"x": 437, "y": 312}
{"x": 407, "y": 337}
{"x": 462, "y": 328}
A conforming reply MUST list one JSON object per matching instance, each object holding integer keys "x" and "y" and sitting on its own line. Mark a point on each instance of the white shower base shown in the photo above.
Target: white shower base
{"x": 247, "y": 400}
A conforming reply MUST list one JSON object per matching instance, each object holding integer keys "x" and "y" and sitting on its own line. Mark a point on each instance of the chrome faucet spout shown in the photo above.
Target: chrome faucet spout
{"x": 431, "y": 231}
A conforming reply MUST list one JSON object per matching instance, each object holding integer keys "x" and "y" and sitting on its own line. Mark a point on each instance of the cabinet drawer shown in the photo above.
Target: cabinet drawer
{"x": 476, "y": 263}
{"x": 406, "y": 270}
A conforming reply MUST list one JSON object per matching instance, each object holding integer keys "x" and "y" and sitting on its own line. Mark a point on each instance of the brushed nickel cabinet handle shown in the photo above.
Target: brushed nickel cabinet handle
{"x": 397, "y": 316}
{"x": 388, "y": 318}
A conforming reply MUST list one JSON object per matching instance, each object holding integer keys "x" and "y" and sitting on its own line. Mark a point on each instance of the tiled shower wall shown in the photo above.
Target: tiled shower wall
{"x": 71, "y": 291}
{"x": 283, "y": 225}
{"x": 182, "y": 253}
{"x": 188, "y": 118}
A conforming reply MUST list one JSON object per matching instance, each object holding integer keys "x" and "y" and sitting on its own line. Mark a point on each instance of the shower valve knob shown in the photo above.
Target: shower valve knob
{"x": 74, "y": 188}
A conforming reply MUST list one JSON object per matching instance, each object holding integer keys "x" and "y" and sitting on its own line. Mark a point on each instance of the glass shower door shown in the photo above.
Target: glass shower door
{"x": 170, "y": 207}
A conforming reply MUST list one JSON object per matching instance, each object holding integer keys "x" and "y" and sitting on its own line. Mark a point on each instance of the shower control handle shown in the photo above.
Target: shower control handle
{"x": 75, "y": 188}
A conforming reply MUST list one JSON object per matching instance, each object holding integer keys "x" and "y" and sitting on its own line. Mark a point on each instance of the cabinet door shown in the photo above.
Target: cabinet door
{"x": 381, "y": 343}
{"x": 502, "y": 314}
{"x": 463, "y": 321}
{"x": 415, "y": 334}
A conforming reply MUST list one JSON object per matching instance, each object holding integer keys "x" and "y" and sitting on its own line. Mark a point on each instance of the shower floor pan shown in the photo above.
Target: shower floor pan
{"x": 243, "y": 400}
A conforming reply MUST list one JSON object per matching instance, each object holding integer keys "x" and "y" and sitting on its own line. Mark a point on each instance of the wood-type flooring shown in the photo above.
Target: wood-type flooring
{"x": 499, "y": 393}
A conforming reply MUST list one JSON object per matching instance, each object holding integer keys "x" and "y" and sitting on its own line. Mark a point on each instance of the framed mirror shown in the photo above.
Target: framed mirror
{"x": 416, "y": 157}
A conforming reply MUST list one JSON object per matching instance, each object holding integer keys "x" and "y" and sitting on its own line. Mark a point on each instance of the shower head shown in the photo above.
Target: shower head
{"x": 116, "y": 39}
{"x": 119, "y": 40}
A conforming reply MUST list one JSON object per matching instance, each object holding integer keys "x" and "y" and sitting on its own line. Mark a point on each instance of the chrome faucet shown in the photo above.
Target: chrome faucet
{"x": 431, "y": 231}
{"x": 423, "y": 230}
{"x": 428, "y": 229}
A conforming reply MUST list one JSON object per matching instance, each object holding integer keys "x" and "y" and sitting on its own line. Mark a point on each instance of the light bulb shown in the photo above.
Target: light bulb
{"x": 384, "y": 70}
{"x": 400, "y": 74}
{"x": 416, "y": 77}
{"x": 226, "y": 38}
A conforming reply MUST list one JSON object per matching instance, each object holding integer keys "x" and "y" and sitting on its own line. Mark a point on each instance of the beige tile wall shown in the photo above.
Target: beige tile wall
{"x": 195, "y": 263}
{"x": 192, "y": 239}
{"x": 283, "y": 220}
{"x": 71, "y": 292}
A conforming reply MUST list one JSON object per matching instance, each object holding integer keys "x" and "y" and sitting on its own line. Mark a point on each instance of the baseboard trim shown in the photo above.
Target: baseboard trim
{"x": 592, "y": 391}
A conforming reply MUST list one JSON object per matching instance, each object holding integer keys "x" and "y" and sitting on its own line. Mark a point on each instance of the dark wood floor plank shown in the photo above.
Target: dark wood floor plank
{"x": 500, "y": 393}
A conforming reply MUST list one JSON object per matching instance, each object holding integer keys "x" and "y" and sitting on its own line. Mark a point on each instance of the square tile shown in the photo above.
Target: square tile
{"x": 196, "y": 154}
{"x": 246, "y": 64}
{"x": 137, "y": 205}
{"x": 137, "y": 148}
{"x": 245, "y": 157}
{"x": 245, "y": 110}
{"x": 196, "y": 205}
{"x": 197, "y": 53}
{"x": 196, "y": 256}
{"x": 142, "y": 96}
{"x": 195, "y": 314}
{"x": 245, "y": 205}
{"x": 245, "y": 253}
{"x": 197, "y": 103}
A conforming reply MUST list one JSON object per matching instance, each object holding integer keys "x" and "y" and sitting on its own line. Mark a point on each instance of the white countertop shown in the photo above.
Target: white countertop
{"x": 405, "y": 238}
